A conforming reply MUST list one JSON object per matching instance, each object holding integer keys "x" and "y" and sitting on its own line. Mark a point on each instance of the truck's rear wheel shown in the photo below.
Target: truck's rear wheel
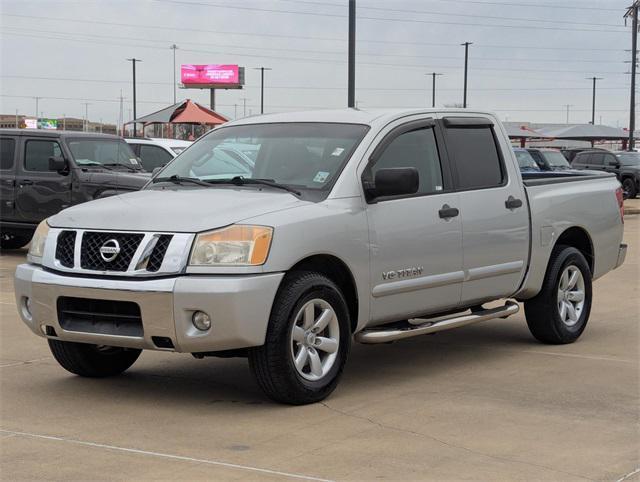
{"x": 559, "y": 313}
{"x": 93, "y": 360}
{"x": 307, "y": 341}
{"x": 13, "y": 241}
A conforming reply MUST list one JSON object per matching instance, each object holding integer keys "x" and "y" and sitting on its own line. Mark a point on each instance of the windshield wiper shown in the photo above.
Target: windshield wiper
{"x": 244, "y": 181}
{"x": 179, "y": 180}
{"x": 113, "y": 164}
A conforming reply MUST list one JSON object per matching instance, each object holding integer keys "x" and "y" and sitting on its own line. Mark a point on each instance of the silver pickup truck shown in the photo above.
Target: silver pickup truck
{"x": 342, "y": 226}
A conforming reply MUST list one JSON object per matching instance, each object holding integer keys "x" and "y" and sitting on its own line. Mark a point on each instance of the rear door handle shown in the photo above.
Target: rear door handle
{"x": 447, "y": 212}
{"x": 513, "y": 203}
{"x": 26, "y": 182}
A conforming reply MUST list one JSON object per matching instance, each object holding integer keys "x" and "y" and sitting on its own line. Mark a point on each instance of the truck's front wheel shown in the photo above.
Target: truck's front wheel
{"x": 559, "y": 313}
{"x": 92, "y": 360}
{"x": 307, "y": 341}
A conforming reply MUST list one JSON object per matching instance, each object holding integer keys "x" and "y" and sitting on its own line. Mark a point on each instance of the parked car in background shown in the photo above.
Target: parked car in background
{"x": 154, "y": 153}
{"x": 371, "y": 226}
{"x": 549, "y": 159}
{"x": 45, "y": 171}
{"x": 625, "y": 165}
{"x": 570, "y": 153}
{"x": 525, "y": 160}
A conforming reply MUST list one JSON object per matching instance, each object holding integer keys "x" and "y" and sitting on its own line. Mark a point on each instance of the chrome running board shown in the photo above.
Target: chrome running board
{"x": 386, "y": 335}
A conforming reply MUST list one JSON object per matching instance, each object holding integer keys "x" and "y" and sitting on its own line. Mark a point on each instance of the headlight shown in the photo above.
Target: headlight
{"x": 36, "y": 249}
{"x": 236, "y": 245}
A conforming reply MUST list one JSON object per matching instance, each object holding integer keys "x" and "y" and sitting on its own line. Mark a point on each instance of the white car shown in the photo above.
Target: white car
{"x": 155, "y": 153}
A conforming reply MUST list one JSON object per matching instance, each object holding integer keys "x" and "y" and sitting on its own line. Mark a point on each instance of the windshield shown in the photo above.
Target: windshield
{"x": 96, "y": 152}
{"x": 525, "y": 161}
{"x": 629, "y": 158}
{"x": 555, "y": 159}
{"x": 304, "y": 155}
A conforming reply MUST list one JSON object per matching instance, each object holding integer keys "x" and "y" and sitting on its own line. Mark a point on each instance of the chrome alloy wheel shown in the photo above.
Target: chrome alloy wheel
{"x": 571, "y": 294}
{"x": 315, "y": 339}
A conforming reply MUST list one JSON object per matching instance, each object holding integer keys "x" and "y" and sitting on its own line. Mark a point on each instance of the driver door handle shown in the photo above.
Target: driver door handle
{"x": 513, "y": 203}
{"x": 447, "y": 212}
{"x": 26, "y": 182}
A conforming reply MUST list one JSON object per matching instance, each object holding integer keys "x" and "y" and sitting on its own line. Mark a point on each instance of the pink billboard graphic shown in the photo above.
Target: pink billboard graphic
{"x": 209, "y": 74}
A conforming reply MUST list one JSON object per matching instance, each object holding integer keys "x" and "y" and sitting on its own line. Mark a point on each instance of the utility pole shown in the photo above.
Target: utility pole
{"x": 135, "y": 114}
{"x": 64, "y": 122}
{"x": 351, "y": 94}
{"x": 17, "y": 119}
{"x": 121, "y": 116}
{"x": 632, "y": 11}
{"x": 244, "y": 106}
{"x": 262, "y": 69}
{"x": 433, "y": 88}
{"x": 568, "y": 106}
{"x": 37, "y": 100}
{"x": 174, "y": 47}
{"x": 466, "y": 69}
{"x": 235, "y": 111}
{"x": 593, "y": 100}
{"x": 86, "y": 116}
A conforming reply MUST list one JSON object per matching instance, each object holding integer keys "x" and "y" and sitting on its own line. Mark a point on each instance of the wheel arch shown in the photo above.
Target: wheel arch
{"x": 337, "y": 271}
{"x": 578, "y": 238}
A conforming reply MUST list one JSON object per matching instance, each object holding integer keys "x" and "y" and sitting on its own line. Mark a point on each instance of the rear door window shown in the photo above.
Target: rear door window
{"x": 476, "y": 157}
{"x": 7, "y": 152}
{"x": 596, "y": 158}
{"x": 38, "y": 152}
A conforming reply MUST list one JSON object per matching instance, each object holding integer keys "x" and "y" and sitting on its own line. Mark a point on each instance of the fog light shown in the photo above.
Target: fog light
{"x": 201, "y": 320}
{"x": 26, "y": 308}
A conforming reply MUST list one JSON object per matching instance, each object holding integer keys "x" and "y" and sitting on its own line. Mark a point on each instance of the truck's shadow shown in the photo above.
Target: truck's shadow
{"x": 178, "y": 380}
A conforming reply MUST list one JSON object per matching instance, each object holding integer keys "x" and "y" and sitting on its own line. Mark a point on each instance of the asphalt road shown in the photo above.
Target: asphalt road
{"x": 485, "y": 402}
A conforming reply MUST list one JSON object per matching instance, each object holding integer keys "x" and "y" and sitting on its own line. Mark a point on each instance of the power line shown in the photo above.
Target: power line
{"x": 336, "y": 52}
{"x": 270, "y": 35}
{"x": 384, "y": 19}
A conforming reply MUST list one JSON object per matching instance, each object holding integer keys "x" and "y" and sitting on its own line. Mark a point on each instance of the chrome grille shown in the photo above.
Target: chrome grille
{"x": 91, "y": 259}
{"x": 65, "y": 248}
{"x": 157, "y": 255}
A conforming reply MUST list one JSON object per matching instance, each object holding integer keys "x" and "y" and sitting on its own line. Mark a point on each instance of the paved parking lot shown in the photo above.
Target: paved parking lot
{"x": 484, "y": 402}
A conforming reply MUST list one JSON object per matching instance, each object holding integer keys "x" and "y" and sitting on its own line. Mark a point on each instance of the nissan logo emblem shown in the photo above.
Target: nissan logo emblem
{"x": 110, "y": 250}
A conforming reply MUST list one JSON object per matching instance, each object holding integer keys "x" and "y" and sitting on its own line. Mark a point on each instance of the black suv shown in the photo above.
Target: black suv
{"x": 44, "y": 172}
{"x": 625, "y": 165}
{"x": 549, "y": 159}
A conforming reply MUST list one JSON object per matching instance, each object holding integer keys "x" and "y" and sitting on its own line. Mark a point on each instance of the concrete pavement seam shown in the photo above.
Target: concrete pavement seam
{"x": 163, "y": 455}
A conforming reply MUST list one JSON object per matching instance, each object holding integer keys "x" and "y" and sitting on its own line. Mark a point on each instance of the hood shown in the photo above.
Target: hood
{"x": 175, "y": 210}
{"x": 119, "y": 179}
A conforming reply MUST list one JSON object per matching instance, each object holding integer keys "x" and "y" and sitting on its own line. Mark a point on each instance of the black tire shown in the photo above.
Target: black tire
{"x": 629, "y": 186}
{"x": 543, "y": 312}
{"x": 272, "y": 363}
{"x": 93, "y": 361}
{"x": 13, "y": 241}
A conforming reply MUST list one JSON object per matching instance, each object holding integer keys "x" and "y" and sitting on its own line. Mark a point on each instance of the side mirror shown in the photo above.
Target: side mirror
{"x": 395, "y": 181}
{"x": 615, "y": 164}
{"x": 58, "y": 164}
{"x": 156, "y": 170}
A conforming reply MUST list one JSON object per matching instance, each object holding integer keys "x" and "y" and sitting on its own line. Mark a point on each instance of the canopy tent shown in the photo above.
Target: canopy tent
{"x": 584, "y": 132}
{"x": 186, "y": 112}
{"x": 522, "y": 132}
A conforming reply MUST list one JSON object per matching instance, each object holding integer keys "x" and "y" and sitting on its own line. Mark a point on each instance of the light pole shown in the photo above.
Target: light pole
{"x": 86, "y": 116}
{"x": 568, "y": 106}
{"x": 433, "y": 87}
{"x": 37, "y": 123}
{"x": 466, "y": 69}
{"x": 174, "y": 47}
{"x": 262, "y": 69}
{"x": 632, "y": 11}
{"x": 351, "y": 82}
{"x": 133, "y": 62}
{"x": 593, "y": 100}
{"x": 244, "y": 106}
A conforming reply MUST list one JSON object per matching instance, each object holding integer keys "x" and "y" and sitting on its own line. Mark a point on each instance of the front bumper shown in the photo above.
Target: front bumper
{"x": 239, "y": 307}
{"x": 622, "y": 254}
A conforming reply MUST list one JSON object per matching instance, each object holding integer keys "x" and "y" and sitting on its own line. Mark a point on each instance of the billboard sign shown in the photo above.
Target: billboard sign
{"x": 212, "y": 76}
{"x": 31, "y": 123}
{"x": 47, "y": 124}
